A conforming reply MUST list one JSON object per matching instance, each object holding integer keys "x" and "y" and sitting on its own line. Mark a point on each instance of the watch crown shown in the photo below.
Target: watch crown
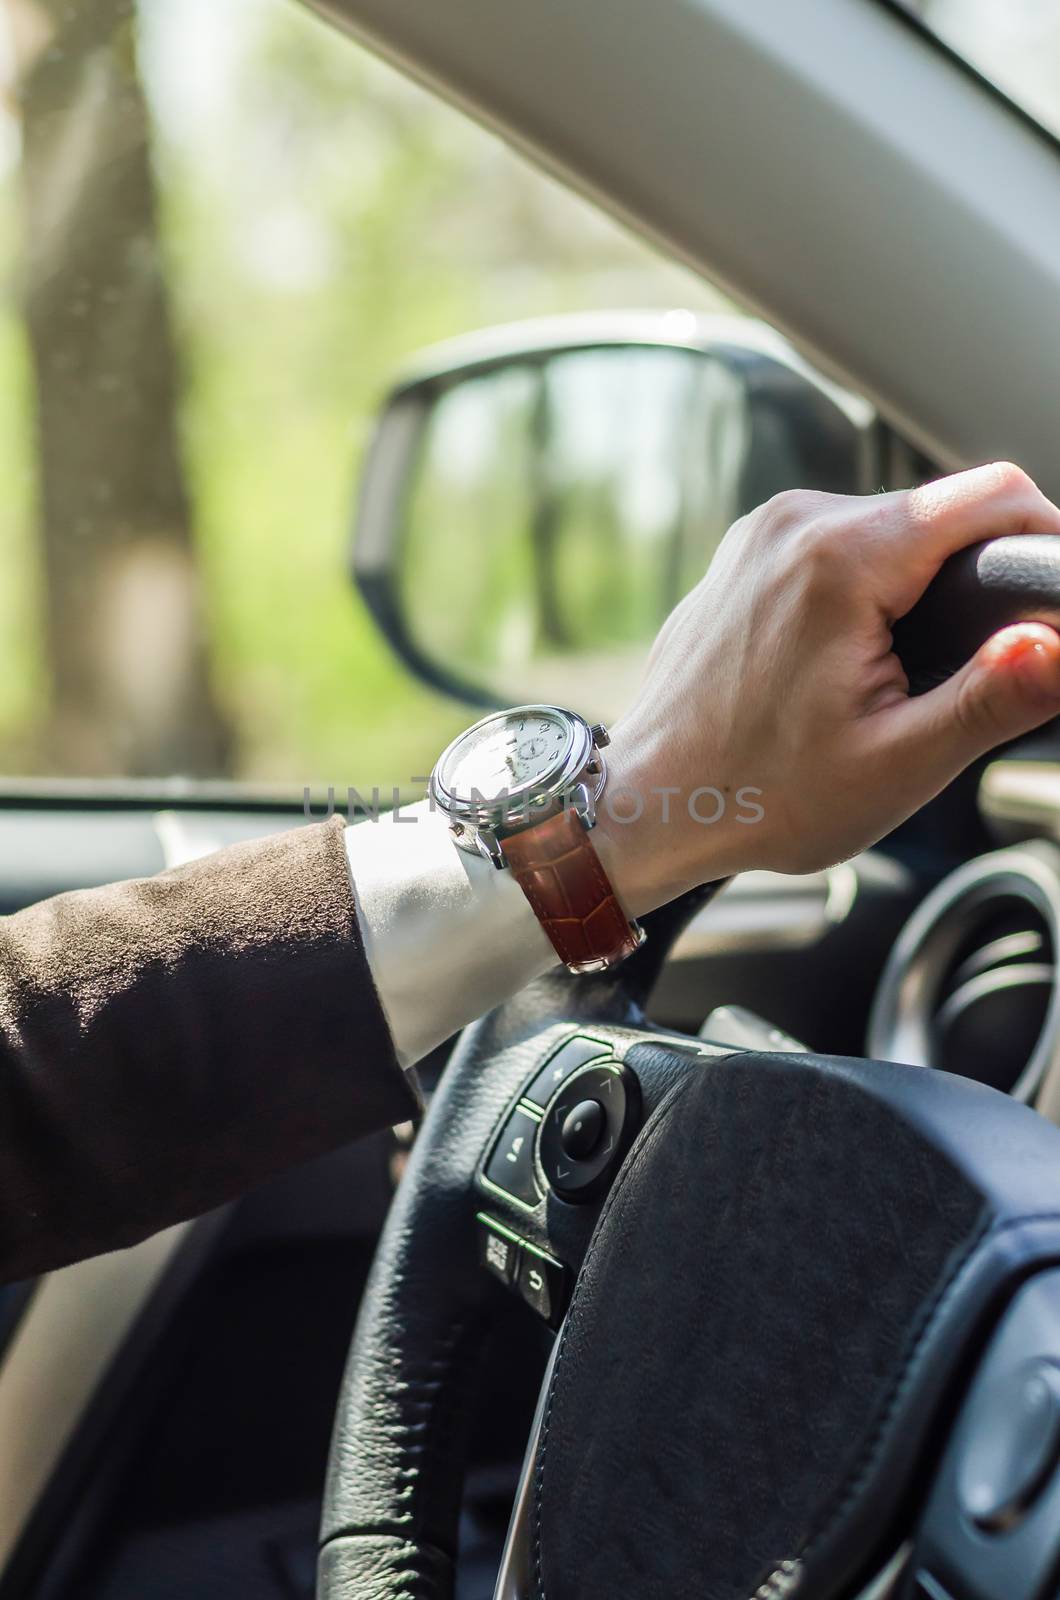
{"x": 600, "y": 735}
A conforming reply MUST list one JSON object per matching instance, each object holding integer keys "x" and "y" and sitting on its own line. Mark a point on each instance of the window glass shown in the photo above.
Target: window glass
{"x": 1014, "y": 43}
{"x": 223, "y": 228}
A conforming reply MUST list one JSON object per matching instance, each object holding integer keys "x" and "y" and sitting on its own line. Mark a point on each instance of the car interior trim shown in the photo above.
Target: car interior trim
{"x": 769, "y": 911}
{"x": 73, "y": 1328}
{"x": 1021, "y": 799}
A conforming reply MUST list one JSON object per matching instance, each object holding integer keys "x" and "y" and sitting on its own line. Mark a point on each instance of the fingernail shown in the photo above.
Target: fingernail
{"x": 1038, "y": 668}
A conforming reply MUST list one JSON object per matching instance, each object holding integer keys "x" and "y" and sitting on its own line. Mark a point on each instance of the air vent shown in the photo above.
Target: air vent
{"x": 970, "y": 986}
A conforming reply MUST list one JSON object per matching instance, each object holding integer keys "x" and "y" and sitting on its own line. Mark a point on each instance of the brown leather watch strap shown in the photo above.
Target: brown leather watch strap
{"x": 557, "y": 868}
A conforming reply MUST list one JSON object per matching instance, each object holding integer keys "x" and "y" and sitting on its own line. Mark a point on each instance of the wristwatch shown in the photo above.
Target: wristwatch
{"x": 520, "y": 788}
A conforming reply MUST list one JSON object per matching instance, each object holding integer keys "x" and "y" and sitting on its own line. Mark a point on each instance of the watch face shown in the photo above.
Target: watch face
{"x": 506, "y": 755}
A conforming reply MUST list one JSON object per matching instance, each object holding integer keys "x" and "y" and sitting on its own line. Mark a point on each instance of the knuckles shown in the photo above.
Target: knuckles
{"x": 816, "y": 545}
{"x": 795, "y": 533}
{"x": 817, "y": 556}
{"x": 807, "y": 517}
{"x": 789, "y": 508}
{"x": 1005, "y": 477}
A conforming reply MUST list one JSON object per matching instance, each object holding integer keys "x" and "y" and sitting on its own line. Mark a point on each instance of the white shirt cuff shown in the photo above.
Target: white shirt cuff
{"x": 447, "y": 935}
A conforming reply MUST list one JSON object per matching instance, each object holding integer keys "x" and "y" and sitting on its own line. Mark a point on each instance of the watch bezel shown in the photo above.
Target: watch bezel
{"x": 529, "y": 803}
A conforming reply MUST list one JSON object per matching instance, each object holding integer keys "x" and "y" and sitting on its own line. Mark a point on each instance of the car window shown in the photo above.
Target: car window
{"x": 223, "y": 227}
{"x": 1014, "y": 43}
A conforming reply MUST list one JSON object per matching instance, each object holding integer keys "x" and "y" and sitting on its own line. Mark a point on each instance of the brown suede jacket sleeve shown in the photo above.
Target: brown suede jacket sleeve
{"x": 168, "y": 1042}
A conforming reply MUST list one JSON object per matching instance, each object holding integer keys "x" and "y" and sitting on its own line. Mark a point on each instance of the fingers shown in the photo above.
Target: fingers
{"x": 940, "y": 518}
{"x": 1010, "y": 686}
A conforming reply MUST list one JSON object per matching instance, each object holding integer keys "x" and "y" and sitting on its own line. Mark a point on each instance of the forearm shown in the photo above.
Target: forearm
{"x": 167, "y": 1043}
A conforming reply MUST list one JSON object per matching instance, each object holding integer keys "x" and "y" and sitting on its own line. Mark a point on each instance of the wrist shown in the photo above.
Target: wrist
{"x": 655, "y": 838}
{"x": 638, "y": 850}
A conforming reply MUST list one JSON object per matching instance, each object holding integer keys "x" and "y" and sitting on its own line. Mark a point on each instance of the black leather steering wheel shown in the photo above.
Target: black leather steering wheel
{"x": 774, "y": 1274}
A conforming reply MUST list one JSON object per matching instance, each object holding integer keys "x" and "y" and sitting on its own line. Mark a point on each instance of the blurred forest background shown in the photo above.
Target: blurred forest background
{"x": 223, "y": 228}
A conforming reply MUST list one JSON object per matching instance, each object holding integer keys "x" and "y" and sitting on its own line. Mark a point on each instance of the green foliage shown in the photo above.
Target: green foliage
{"x": 22, "y": 665}
{"x": 322, "y": 220}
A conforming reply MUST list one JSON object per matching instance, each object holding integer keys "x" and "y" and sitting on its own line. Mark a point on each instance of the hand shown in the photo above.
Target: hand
{"x": 774, "y": 705}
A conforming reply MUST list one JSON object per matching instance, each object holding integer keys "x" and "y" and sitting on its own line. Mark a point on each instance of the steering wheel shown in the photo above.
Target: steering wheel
{"x": 787, "y": 1289}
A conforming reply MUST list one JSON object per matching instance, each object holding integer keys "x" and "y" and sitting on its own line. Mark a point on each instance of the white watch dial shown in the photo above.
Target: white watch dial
{"x": 506, "y": 755}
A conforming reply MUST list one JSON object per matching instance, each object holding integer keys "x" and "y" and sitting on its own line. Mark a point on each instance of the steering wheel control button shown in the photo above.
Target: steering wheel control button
{"x": 567, "y": 1059}
{"x": 1014, "y": 1447}
{"x": 587, "y": 1130}
{"x": 511, "y": 1163}
{"x": 582, "y": 1129}
{"x": 544, "y": 1284}
{"x": 498, "y": 1250}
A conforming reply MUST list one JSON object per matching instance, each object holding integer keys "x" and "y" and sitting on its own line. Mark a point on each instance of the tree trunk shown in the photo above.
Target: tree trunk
{"x": 130, "y": 688}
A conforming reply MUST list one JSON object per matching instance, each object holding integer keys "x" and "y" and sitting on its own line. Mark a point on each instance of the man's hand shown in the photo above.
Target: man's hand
{"x": 774, "y": 727}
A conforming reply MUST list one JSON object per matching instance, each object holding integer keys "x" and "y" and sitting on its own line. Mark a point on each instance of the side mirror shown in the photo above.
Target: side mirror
{"x": 537, "y": 498}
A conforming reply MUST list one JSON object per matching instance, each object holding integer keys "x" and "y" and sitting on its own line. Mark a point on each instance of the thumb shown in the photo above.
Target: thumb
{"x": 1011, "y": 685}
